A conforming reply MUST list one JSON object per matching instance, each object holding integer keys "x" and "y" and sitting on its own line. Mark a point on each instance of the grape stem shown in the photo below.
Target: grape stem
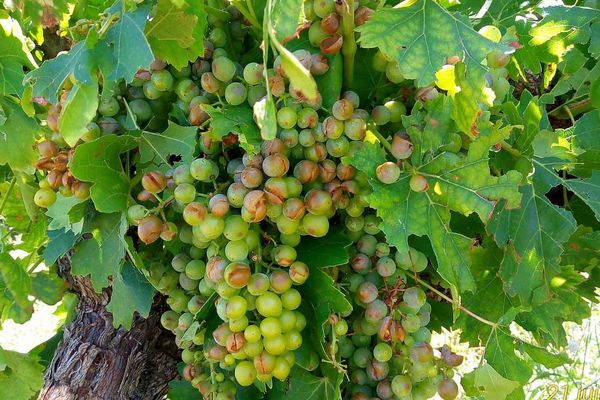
{"x": 383, "y": 140}
{"x": 346, "y": 9}
{"x": 509, "y": 149}
{"x": 448, "y": 299}
{"x": 13, "y": 181}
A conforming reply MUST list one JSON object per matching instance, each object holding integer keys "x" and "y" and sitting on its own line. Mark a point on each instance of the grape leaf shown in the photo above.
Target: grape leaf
{"x": 176, "y": 33}
{"x": 98, "y": 162}
{"x": 78, "y": 111}
{"x": 485, "y": 381}
{"x": 181, "y": 390}
{"x": 46, "y": 81}
{"x": 559, "y": 20}
{"x": 131, "y": 293}
{"x": 14, "y": 56}
{"x": 59, "y": 242}
{"x": 302, "y": 385}
{"x": 500, "y": 353}
{"x": 238, "y": 120}
{"x": 534, "y": 235}
{"x": 329, "y": 251}
{"x": 13, "y": 214}
{"x": 465, "y": 186}
{"x": 286, "y": 16}
{"x": 59, "y": 212}
{"x": 156, "y": 148}
{"x": 266, "y": 119}
{"x": 101, "y": 256}
{"x": 16, "y": 279}
{"x": 420, "y": 35}
{"x": 18, "y": 134}
{"x": 129, "y": 46}
{"x": 21, "y": 375}
{"x": 48, "y": 287}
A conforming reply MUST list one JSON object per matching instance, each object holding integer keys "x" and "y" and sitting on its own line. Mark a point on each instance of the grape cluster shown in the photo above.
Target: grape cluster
{"x": 387, "y": 351}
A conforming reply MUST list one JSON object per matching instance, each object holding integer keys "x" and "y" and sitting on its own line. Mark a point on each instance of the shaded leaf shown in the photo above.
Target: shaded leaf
{"x": 156, "y": 148}
{"x": 78, "y": 111}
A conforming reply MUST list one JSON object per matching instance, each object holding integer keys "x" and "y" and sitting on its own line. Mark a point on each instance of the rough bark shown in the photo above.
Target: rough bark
{"x": 95, "y": 361}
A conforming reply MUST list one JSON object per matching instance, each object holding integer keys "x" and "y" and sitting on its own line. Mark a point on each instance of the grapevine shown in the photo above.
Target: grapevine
{"x": 304, "y": 192}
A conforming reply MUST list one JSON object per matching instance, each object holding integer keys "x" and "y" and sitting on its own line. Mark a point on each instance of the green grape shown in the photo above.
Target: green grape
{"x": 223, "y": 69}
{"x": 141, "y": 109}
{"x": 109, "y": 107}
{"x": 270, "y": 327}
{"x": 307, "y": 118}
{"x": 235, "y": 228}
{"x": 397, "y": 109}
{"x": 291, "y": 299}
{"x": 162, "y": 80}
{"x": 287, "y": 117}
{"x": 315, "y": 225}
{"x": 169, "y": 320}
{"x": 293, "y": 340}
{"x": 194, "y": 213}
{"x": 379, "y": 62}
{"x": 412, "y": 259}
{"x": 338, "y": 147}
{"x": 287, "y": 319}
{"x": 392, "y": 72}
{"x": 186, "y": 90}
{"x": 340, "y": 327}
{"x": 375, "y": 311}
{"x": 237, "y": 274}
{"x": 299, "y": 272}
{"x": 209, "y": 83}
{"x": 44, "y": 198}
{"x": 204, "y": 170}
{"x": 401, "y": 385}
{"x": 195, "y": 269}
{"x": 381, "y": 115}
{"x": 388, "y": 172}
{"x": 184, "y": 193}
{"x": 382, "y": 352}
{"x": 355, "y": 128}
{"x": 245, "y": 373}
{"x": 280, "y": 281}
{"x": 361, "y": 263}
{"x": 235, "y": 93}
{"x": 385, "y": 266}
{"x": 342, "y": 109}
{"x": 367, "y": 292}
{"x": 212, "y": 227}
{"x": 276, "y": 345}
{"x": 218, "y": 37}
{"x": 414, "y": 298}
{"x": 253, "y": 73}
{"x": 236, "y": 250}
{"x": 282, "y": 368}
{"x": 252, "y": 334}
{"x": 258, "y": 284}
{"x": 284, "y": 255}
{"x": 316, "y": 34}
{"x": 362, "y": 356}
{"x": 92, "y": 132}
{"x": 236, "y": 307}
{"x": 269, "y": 305}
{"x": 151, "y": 91}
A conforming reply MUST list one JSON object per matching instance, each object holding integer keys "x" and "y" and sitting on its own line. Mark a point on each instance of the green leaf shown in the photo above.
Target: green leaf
{"x": 485, "y": 381}
{"x": 98, "y": 162}
{"x": 302, "y": 385}
{"x": 131, "y": 293}
{"x": 129, "y": 46}
{"x": 60, "y": 214}
{"x": 18, "y": 134}
{"x": 14, "y": 56}
{"x": 101, "y": 256}
{"x": 47, "y": 80}
{"x": 16, "y": 279}
{"x": 420, "y": 35}
{"x": 156, "y": 148}
{"x": 78, "y": 111}
{"x": 573, "y": 21}
{"x": 500, "y": 353}
{"x": 21, "y": 375}
{"x": 48, "y": 287}
{"x": 325, "y": 298}
{"x": 534, "y": 235}
{"x": 266, "y": 119}
{"x": 238, "y": 120}
{"x": 545, "y": 358}
{"x": 181, "y": 390}
{"x": 588, "y": 190}
{"x": 287, "y": 16}
{"x": 325, "y": 252}
{"x": 176, "y": 33}
{"x": 464, "y": 185}
{"x": 60, "y": 241}
{"x": 13, "y": 214}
